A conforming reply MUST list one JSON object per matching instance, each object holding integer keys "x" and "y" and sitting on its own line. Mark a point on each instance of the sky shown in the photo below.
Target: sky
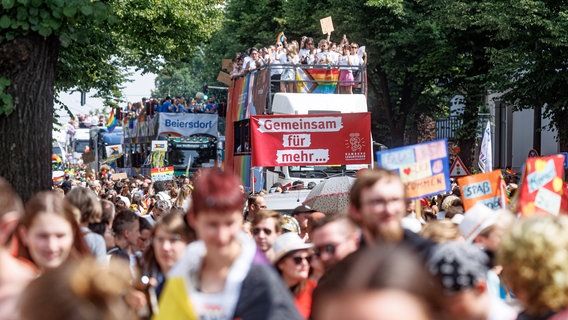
{"x": 134, "y": 91}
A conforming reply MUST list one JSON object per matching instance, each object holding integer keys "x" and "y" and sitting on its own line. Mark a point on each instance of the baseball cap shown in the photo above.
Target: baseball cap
{"x": 303, "y": 209}
{"x": 286, "y": 243}
{"x": 475, "y": 220}
{"x": 458, "y": 265}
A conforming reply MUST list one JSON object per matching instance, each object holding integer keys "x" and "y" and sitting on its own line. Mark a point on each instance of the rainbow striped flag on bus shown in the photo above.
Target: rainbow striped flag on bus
{"x": 111, "y": 123}
{"x": 326, "y": 79}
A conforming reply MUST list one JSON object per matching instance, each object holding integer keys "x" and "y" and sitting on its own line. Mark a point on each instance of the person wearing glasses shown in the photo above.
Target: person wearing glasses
{"x": 378, "y": 204}
{"x": 292, "y": 258}
{"x": 360, "y": 60}
{"x": 266, "y": 227}
{"x": 334, "y": 238}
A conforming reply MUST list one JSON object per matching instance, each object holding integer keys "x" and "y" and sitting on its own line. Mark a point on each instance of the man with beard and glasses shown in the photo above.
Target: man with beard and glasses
{"x": 377, "y": 205}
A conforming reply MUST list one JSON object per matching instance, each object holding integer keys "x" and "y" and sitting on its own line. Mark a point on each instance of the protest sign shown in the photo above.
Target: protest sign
{"x": 224, "y": 78}
{"x": 486, "y": 188}
{"x": 119, "y": 176}
{"x": 423, "y": 168}
{"x": 159, "y": 145}
{"x": 326, "y": 25}
{"x": 542, "y": 188}
{"x": 162, "y": 174}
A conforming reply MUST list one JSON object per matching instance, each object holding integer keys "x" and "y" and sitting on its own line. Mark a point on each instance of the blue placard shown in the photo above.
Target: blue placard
{"x": 424, "y": 167}
{"x": 565, "y": 159}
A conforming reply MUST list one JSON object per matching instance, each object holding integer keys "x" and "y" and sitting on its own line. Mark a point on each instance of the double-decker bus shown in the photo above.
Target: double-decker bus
{"x": 191, "y": 139}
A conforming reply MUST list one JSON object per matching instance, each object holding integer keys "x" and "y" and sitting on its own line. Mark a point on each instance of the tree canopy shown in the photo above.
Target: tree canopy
{"x": 420, "y": 53}
{"x": 51, "y": 45}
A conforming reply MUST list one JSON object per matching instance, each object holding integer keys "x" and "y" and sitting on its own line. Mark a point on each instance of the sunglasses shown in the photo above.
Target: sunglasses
{"x": 279, "y": 45}
{"x": 256, "y": 231}
{"x": 298, "y": 260}
{"x": 328, "y": 248}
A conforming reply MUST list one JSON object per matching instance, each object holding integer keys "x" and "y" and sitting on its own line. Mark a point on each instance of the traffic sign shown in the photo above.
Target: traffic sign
{"x": 458, "y": 169}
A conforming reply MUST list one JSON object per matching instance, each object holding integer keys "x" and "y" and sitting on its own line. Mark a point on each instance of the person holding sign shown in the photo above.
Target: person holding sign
{"x": 324, "y": 56}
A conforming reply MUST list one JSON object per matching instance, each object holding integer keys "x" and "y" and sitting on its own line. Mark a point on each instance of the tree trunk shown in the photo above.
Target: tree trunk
{"x": 382, "y": 109}
{"x": 469, "y": 130}
{"x": 25, "y": 148}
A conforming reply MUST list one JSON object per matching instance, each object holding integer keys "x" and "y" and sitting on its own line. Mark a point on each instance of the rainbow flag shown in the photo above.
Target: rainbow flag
{"x": 305, "y": 83}
{"x": 280, "y": 37}
{"x": 510, "y": 171}
{"x": 326, "y": 79}
{"x": 111, "y": 123}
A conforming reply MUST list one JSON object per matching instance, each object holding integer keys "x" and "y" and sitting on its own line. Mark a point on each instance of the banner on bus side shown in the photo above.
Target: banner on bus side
{"x": 317, "y": 139}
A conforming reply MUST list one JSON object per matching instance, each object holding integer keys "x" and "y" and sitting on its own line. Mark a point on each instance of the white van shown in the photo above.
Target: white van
{"x": 314, "y": 103}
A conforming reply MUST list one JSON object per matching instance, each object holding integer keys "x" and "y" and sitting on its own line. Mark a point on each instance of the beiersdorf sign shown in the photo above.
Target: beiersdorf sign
{"x": 186, "y": 124}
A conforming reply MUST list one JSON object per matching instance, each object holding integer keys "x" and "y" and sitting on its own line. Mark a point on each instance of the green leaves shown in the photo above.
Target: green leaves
{"x": 5, "y": 22}
{"x": 8, "y": 4}
{"x": 69, "y": 11}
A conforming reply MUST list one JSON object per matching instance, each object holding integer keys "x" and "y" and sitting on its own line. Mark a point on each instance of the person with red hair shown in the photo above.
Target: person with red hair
{"x": 223, "y": 275}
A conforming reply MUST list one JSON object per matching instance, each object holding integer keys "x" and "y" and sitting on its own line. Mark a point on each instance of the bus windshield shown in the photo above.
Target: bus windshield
{"x": 197, "y": 158}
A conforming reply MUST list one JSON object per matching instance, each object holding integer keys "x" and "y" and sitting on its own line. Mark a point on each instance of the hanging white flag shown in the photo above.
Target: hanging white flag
{"x": 485, "y": 162}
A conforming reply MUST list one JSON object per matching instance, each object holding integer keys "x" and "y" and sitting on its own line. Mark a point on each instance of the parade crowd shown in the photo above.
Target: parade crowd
{"x": 200, "y": 247}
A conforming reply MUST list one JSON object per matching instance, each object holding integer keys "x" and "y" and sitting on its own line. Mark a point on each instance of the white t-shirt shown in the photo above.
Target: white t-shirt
{"x": 220, "y": 305}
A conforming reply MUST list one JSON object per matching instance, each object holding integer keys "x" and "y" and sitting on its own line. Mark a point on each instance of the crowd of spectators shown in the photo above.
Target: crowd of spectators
{"x": 200, "y": 247}
{"x": 283, "y": 57}
{"x": 199, "y": 104}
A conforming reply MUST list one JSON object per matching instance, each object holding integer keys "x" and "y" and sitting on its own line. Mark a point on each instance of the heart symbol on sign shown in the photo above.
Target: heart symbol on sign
{"x": 406, "y": 171}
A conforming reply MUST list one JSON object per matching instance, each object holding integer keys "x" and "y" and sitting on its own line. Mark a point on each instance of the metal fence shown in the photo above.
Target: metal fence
{"x": 446, "y": 128}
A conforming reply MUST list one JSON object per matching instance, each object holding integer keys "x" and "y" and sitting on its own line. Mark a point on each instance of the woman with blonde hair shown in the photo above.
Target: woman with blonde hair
{"x": 441, "y": 231}
{"x": 534, "y": 258}
{"x": 183, "y": 199}
{"x": 82, "y": 290}
{"x": 291, "y": 59}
